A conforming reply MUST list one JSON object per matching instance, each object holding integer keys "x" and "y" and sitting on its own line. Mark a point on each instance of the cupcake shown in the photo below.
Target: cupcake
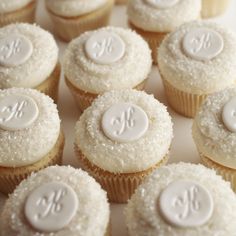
{"x": 182, "y": 200}
{"x": 198, "y": 59}
{"x": 74, "y": 17}
{"x": 103, "y": 60}
{"x": 214, "y": 133}
{"x": 57, "y": 201}
{"x": 212, "y": 8}
{"x": 29, "y": 59}
{"x": 30, "y": 135}
{"x": 12, "y": 11}
{"x": 154, "y": 19}
{"x": 121, "y": 138}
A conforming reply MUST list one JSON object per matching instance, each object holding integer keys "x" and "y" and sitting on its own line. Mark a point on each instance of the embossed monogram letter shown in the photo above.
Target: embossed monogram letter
{"x": 188, "y": 202}
{"x": 51, "y": 204}
{"x": 10, "y": 49}
{"x": 125, "y": 121}
{"x": 201, "y": 43}
{"x": 15, "y": 111}
{"x": 104, "y": 47}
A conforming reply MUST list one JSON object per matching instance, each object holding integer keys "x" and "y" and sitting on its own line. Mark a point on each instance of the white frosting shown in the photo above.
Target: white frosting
{"x": 143, "y": 217}
{"x": 51, "y": 206}
{"x": 203, "y": 44}
{"x": 105, "y": 47}
{"x": 162, "y": 15}
{"x": 33, "y": 70}
{"x": 184, "y": 203}
{"x": 197, "y": 76}
{"x": 124, "y": 122}
{"x": 229, "y": 115}
{"x": 17, "y": 112}
{"x": 132, "y": 69}
{"x": 124, "y": 157}
{"x": 162, "y": 3}
{"x": 210, "y": 134}
{"x": 26, "y": 146}
{"x": 15, "y": 50}
{"x": 91, "y": 217}
{"x": 7, "y": 6}
{"x": 70, "y": 8}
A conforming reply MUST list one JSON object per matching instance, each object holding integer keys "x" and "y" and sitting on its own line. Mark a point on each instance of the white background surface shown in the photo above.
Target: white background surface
{"x": 182, "y": 149}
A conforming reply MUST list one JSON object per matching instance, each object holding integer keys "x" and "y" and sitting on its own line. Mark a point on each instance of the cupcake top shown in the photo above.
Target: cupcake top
{"x": 124, "y": 131}
{"x": 199, "y": 57}
{"x": 56, "y": 201}
{"x": 29, "y": 126}
{"x": 214, "y": 128}
{"x": 106, "y": 59}
{"x": 182, "y": 200}
{"x": 28, "y": 55}
{"x": 7, "y": 6}
{"x": 162, "y": 15}
{"x": 72, "y": 8}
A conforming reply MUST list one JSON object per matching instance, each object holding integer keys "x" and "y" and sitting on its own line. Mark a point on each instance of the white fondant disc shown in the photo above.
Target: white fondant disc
{"x": 15, "y": 49}
{"x": 202, "y": 44}
{"x": 186, "y": 204}
{"x": 104, "y": 47}
{"x": 125, "y": 122}
{"x": 162, "y": 4}
{"x": 17, "y": 112}
{"x": 229, "y": 115}
{"x": 51, "y": 206}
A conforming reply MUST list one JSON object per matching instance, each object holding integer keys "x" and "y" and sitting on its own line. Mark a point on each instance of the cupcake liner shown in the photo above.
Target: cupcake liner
{"x": 69, "y": 28}
{"x": 121, "y": 1}
{"x": 226, "y": 172}
{"x": 108, "y": 231}
{"x": 153, "y": 39}
{"x": 10, "y": 177}
{"x": 50, "y": 86}
{"x": 84, "y": 99}
{"x": 119, "y": 186}
{"x": 211, "y": 8}
{"x": 25, "y": 14}
{"x": 183, "y": 103}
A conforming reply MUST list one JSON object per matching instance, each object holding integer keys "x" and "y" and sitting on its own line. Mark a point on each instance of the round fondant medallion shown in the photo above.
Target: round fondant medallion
{"x": 186, "y": 204}
{"x": 202, "y": 44}
{"x": 51, "y": 206}
{"x": 124, "y": 122}
{"x": 229, "y": 115}
{"x": 17, "y": 112}
{"x": 15, "y": 49}
{"x": 105, "y": 47}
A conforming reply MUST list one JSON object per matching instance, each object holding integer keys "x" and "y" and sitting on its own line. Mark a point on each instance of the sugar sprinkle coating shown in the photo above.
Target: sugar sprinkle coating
{"x": 132, "y": 69}
{"x": 92, "y": 216}
{"x": 195, "y": 76}
{"x": 148, "y": 18}
{"x": 126, "y": 157}
{"x": 72, "y": 8}
{"x": 26, "y": 146}
{"x": 143, "y": 218}
{"x": 41, "y": 63}
{"x": 210, "y": 134}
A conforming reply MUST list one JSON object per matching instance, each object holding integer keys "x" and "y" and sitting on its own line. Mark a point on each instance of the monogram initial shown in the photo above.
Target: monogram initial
{"x": 10, "y": 49}
{"x": 104, "y": 47}
{"x": 125, "y": 121}
{"x": 15, "y": 111}
{"x": 51, "y": 204}
{"x": 188, "y": 203}
{"x": 201, "y": 43}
